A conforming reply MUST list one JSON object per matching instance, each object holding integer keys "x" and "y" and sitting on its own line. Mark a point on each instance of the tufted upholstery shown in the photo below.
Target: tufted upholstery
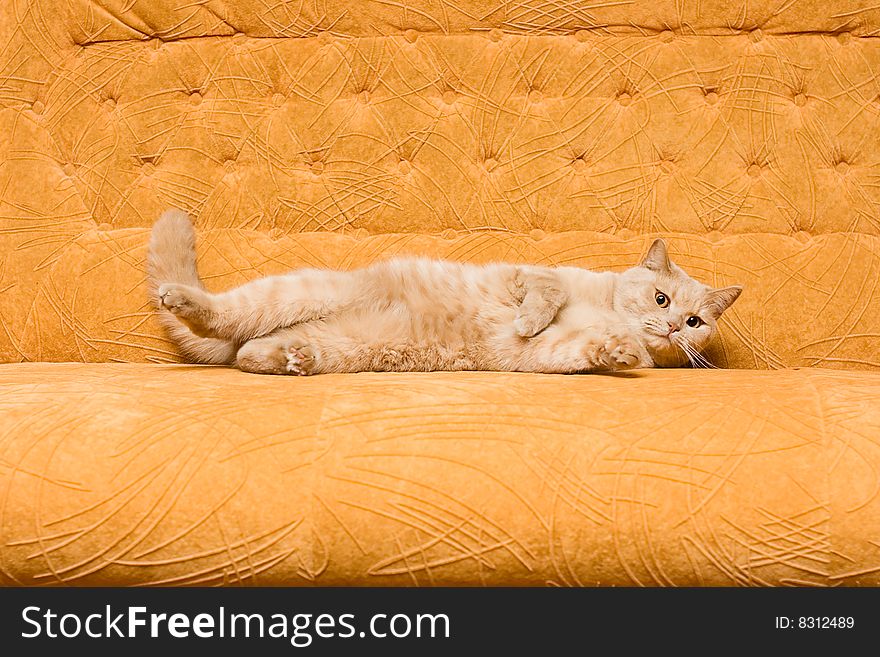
{"x": 335, "y": 133}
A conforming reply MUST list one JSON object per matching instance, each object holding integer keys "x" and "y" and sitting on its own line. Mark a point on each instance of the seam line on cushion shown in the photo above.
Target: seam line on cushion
{"x": 473, "y": 32}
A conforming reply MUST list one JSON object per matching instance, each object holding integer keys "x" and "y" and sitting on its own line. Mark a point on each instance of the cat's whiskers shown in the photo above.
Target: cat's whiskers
{"x": 696, "y": 359}
{"x": 684, "y": 350}
{"x": 654, "y": 326}
{"x": 703, "y": 360}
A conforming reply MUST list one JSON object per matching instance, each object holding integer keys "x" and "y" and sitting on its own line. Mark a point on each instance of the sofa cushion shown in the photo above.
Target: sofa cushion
{"x": 810, "y": 302}
{"x": 159, "y": 474}
{"x": 342, "y": 132}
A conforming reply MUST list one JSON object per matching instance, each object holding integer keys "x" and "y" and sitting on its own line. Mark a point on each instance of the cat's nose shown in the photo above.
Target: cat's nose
{"x": 673, "y": 327}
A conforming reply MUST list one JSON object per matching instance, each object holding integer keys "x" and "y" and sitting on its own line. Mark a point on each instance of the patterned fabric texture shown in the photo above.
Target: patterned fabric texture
{"x": 336, "y": 133}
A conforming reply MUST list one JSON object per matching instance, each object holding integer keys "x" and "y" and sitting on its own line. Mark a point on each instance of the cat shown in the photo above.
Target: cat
{"x": 411, "y": 314}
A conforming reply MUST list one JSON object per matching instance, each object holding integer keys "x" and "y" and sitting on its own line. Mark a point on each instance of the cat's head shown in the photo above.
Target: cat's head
{"x": 674, "y": 314}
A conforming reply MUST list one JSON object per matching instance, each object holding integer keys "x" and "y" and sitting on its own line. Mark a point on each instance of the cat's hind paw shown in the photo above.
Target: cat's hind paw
{"x": 174, "y": 298}
{"x": 190, "y": 305}
{"x": 300, "y": 361}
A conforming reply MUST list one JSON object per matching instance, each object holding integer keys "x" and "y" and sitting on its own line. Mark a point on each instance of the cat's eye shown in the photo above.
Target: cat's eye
{"x": 693, "y": 321}
{"x": 661, "y": 299}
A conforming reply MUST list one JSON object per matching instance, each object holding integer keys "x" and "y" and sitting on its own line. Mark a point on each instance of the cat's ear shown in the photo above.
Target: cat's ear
{"x": 657, "y": 257}
{"x": 720, "y": 299}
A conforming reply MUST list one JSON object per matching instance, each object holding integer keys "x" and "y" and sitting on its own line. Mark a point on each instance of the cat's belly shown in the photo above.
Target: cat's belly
{"x": 398, "y": 338}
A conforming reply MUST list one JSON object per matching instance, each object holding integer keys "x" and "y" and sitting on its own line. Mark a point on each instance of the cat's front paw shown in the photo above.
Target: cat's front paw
{"x": 623, "y": 352}
{"x": 529, "y": 325}
{"x": 300, "y": 360}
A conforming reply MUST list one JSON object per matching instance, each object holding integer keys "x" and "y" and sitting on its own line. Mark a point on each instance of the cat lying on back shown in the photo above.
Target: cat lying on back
{"x": 423, "y": 315}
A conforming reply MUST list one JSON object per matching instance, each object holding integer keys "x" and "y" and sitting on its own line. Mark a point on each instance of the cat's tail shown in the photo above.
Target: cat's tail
{"x": 172, "y": 259}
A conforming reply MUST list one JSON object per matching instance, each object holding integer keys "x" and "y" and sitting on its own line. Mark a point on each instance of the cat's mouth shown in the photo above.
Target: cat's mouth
{"x": 664, "y": 347}
{"x": 659, "y": 332}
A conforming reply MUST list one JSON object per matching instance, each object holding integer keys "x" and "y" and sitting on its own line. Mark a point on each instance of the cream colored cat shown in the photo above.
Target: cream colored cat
{"x": 423, "y": 315}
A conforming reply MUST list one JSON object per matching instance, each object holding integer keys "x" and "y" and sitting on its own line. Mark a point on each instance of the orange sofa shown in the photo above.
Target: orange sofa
{"x": 335, "y": 133}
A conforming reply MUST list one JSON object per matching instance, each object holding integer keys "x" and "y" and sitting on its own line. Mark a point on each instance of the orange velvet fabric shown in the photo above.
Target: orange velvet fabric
{"x": 337, "y": 133}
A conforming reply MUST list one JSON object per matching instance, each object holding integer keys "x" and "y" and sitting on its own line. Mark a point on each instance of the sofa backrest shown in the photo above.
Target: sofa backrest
{"x": 339, "y": 132}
